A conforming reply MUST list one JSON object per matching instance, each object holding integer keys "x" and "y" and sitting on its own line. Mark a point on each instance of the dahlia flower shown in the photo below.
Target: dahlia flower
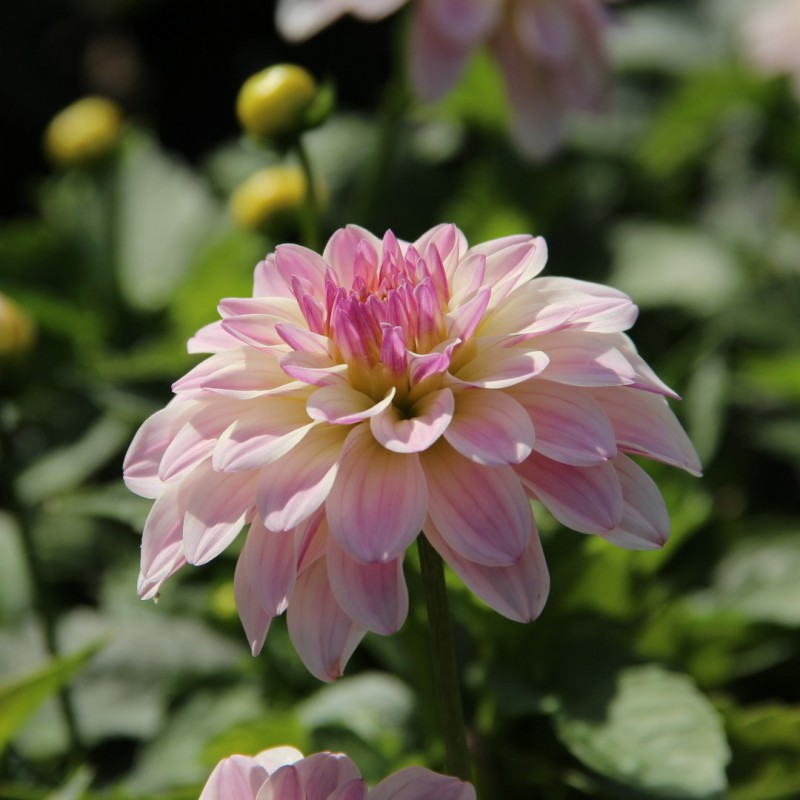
{"x": 386, "y": 388}
{"x": 770, "y": 33}
{"x": 551, "y": 53}
{"x": 283, "y": 774}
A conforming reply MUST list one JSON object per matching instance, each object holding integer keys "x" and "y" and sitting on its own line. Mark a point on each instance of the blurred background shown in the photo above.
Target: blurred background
{"x": 649, "y": 675}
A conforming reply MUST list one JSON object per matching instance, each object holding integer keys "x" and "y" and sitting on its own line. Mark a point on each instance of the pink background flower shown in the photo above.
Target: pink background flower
{"x": 551, "y": 52}
{"x": 771, "y": 36}
{"x": 385, "y": 388}
{"x": 283, "y": 774}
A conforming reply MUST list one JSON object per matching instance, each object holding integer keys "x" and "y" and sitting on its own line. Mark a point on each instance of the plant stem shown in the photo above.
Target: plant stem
{"x": 311, "y": 212}
{"x": 445, "y": 666}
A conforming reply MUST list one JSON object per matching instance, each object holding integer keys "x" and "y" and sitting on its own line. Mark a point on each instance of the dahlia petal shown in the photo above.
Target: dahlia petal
{"x": 570, "y": 426}
{"x": 524, "y": 314}
{"x": 276, "y": 757}
{"x": 323, "y": 635}
{"x": 465, "y": 21}
{"x": 268, "y": 282}
{"x": 237, "y": 777}
{"x": 262, "y": 435}
{"x": 311, "y": 536}
{"x": 499, "y": 368}
{"x": 449, "y": 243}
{"x": 427, "y": 421}
{"x": 546, "y": 30}
{"x": 481, "y": 512}
{"x": 585, "y": 359}
{"x": 217, "y": 508}
{"x": 438, "y": 61}
{"x": 211, "y": 338}
{"x": 490, "y": 427}
{"x": 644, "y": 377}
{"x": 195, "y": 441}
{"x": 282, "y": 308}
{"x": 255, "y": 620}
{"x": 322, "y": 773}
{"x": 312, "y": 368}
{"x": 298, "y": 20}
{"x": 296, "y": 262}
{"x": 374, "y": 596}
{"x": 141, "y": 464}
{"x": 340, "y": 251}
{"x": 271, "y": 564}
{"x": 513, "y": 266}
{"x": 283, "y": 784}
{"x": 292, "y": 488}
{"x": 645, "y": 520}
{"x": 162, "y": 542}
{"x": 462, "y": 322}
{"x": 586, "y": 499}
{"x": 340, "y": 404}
{"x": 518, "y": 591}
{"x": 353, "y": 790}
{"x": 537, "y": 109}
{"x": 467, "y": 277}
{"x": 645, "y": 425}
{"x": 418, "y": 783}
{"x": 240, "y": 372}
{"x": 378, "y": 501}
{"x": 302, "y": 340}
{"x": 437, "y": 362}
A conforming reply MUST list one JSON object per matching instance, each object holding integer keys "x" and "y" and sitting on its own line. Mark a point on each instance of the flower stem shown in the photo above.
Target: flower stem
{"x": 445, "y": 666}
{"x": 311, "y": 213}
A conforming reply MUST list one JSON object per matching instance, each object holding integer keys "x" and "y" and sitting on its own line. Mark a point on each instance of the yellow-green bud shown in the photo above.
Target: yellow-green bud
{"x": 272, "y": 103}
{"x": 268, "y": 196}
{"x": 16, "y": 329}
{"x": 86, "y": 131}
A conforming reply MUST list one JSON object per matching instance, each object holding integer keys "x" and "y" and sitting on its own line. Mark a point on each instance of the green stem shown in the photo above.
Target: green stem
{"x": 445, "y": 665}
{"x": 310, "y": 216}
{"x": 47, "y": 616}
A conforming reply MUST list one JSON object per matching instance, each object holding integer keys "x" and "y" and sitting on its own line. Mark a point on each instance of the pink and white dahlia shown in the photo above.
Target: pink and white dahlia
{"x": 770, "y": 33}
{"x": 283, "y": 774}
{"x": 552, "y": 53}
{"x": 386, "y": 388}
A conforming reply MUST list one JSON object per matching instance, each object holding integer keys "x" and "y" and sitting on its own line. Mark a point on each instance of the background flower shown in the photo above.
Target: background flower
{"x": 282, "y": 773}
{"x": 770, "y": 33}
{"x": 385, "y": 388}
{"x": 551, "y": 52}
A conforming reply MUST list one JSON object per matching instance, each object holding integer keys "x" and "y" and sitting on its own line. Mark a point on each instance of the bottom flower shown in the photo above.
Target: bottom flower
{"x": 282, "y": 773}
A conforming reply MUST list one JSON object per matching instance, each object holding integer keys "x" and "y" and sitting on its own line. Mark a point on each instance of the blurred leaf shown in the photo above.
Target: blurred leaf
{"x": 766, "y": 742}
{"x": 781, "y": 436}
{"x": 67, "y": 467}
{"x": 688, "y": 123}
{"x": 27, "y": 248}
{"x": 273, "y": 729}
{"x": 165, "y": 212}
{"x": 15, "y": 589}
{"x": 758, "y": 578}
{"x": 666, "y": 39}
{"x": 371, "y": 705}
{"x": 20, "y": 697}
{"x": 114, "y": 501}
{"x": 776, "y": 375}
{"x": 662, "y": 265}
{"x": 657, "y": 734}
{"x": 706, "y": 398}
{"x": 223, "y": 268}
{"x": 75, "y": 788}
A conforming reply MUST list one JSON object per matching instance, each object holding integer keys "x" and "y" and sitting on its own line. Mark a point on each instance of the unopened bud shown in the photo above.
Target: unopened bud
{"x": 84, "y": 132}
{"x": 268, "y": 197}
{"x": 16, "y": 329}
{"x": 273, "y": 103}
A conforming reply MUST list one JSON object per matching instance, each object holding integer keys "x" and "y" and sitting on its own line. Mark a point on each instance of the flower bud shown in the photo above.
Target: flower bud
{"x": 272, "y": 104}
{"x": 268, "y": 196}
{"x": 16, "y": 329}
{"x": 83, "y": 132}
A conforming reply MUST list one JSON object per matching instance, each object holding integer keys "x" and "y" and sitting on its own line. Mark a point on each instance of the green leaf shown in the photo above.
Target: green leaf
{"x": 67, "y": 467}
{"x": 655, "y": 734}
{"x": 15, "y": 590}
{"x": 274, "y": 729}
{"x": 370, "y": 705}
{"x": 20, "y": 697}
{"x": 75, "y": 788}
{"x": 164, "y": 213}
{"x": 776, "y": 376}
{"x": 758, "y": 579}
{"x": 663, "y": 265}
